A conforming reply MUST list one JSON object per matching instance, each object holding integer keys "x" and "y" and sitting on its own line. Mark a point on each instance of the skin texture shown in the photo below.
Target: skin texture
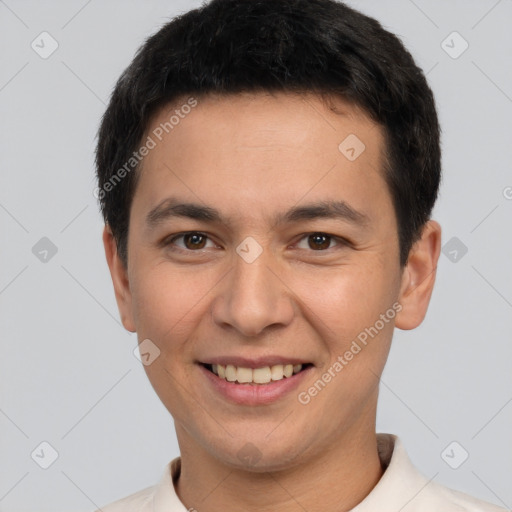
{"x": 252, "y": 156}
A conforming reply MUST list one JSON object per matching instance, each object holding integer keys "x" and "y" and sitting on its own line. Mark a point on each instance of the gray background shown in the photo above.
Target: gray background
{"x": 68, "y": 375}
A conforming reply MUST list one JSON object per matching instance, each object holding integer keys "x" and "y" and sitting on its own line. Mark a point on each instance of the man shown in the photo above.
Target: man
{"x": 267, "y": 172}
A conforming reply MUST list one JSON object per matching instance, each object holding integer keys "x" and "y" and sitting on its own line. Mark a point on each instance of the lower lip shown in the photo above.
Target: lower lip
{"x": 255, "y": 394}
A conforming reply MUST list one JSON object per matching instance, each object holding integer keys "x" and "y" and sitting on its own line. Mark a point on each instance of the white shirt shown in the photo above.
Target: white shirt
{"x": 402, "y": 488}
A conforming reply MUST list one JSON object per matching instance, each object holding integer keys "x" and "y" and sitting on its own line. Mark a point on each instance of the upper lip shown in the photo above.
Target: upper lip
{"x": 254, "y": 362}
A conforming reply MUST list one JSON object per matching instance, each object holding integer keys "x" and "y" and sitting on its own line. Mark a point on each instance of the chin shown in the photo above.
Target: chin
{"x": 254, "y": 460}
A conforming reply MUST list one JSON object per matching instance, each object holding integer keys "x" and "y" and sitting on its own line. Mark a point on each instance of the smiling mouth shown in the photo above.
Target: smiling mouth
{"x": 263, "y": 375}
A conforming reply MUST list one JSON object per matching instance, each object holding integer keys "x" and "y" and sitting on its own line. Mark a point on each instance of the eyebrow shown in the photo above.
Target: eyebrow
{"x": 171, "y": 208}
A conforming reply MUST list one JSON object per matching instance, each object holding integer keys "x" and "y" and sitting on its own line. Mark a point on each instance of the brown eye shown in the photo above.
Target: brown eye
{"x": 194, "y": 241}
{"x": 319, "y": 241}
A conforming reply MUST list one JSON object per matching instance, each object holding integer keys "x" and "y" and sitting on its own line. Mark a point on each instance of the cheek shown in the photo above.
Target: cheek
{"x": 168, "y": 300}
{"x": 345, "y": 300}
{"x": 168, "y": 304}
{"x": 354, "y": 315}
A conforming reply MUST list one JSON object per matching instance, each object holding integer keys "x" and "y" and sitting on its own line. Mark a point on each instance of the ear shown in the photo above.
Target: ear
{"x": 418, "y": 277}
{"x": 119, "y": 275}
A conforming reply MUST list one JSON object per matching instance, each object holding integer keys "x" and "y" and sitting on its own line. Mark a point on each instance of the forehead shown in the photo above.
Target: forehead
{"x": 305, "y": 122}
{"x": 251, "y": 152}
{"x": 266, "y": 114}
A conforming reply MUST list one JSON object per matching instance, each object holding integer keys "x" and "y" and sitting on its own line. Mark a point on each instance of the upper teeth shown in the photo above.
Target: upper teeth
{"x": 257, "y": 375}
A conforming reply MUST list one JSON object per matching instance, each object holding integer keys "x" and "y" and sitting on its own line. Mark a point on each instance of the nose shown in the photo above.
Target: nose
{"x": 252, "y": 297}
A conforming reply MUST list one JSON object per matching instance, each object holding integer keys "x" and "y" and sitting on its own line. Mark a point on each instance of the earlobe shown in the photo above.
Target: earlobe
{"x": 418, "y": 277}
{"x": 119, "y": 275}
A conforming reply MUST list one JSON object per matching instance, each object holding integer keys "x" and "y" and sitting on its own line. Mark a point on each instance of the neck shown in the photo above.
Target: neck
{"x": 334, "y": 480}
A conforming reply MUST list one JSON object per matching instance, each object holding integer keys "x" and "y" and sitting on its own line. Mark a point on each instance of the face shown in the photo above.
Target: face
{"x": 256, "y": 242}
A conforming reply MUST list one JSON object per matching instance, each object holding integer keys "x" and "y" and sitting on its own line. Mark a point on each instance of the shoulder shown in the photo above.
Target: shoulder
{"x": 403, "y": 487}
{"x": 141, "y": 501}
{"x": 450, "y": 500}
{"x": 161, "y": 496}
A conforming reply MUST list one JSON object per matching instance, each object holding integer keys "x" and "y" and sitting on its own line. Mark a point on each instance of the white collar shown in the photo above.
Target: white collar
{"x": 401, "y": 488}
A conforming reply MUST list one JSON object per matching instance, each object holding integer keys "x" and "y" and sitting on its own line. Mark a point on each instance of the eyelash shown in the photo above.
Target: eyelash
{"x": 168, "y": 242}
